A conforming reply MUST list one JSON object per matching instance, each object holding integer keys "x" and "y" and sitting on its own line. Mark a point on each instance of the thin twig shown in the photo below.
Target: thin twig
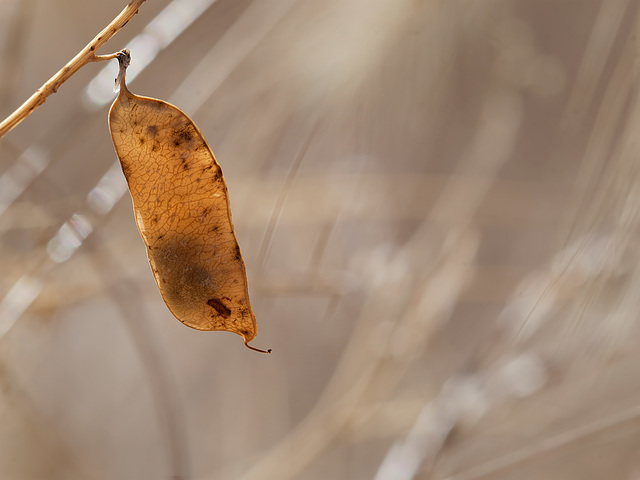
{"x": 86, "y": 55}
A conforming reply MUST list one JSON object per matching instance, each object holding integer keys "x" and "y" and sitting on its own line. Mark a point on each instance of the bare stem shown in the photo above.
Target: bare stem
{"x": 86, "y": 55}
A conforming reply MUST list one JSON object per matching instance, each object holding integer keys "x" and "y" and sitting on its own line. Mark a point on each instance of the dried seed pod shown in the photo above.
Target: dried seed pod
{"x": 182, "y": 210}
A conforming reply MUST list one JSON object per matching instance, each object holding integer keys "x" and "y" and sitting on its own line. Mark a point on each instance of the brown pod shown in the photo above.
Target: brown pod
{"x": 182, "y": 210}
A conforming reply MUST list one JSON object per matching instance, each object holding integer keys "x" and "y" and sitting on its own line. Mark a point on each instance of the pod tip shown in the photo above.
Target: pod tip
{"x": 257, "y": 349}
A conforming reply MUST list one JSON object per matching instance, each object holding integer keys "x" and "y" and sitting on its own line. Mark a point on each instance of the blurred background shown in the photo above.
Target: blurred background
{"x": 437, "y": 205}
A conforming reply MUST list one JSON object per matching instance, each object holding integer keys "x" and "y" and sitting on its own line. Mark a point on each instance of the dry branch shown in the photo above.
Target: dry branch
{"x": 86, "y": 55}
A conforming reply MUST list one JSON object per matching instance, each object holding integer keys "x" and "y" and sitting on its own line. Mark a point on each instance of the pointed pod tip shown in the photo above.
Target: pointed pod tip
{"x": 257, "y": 349}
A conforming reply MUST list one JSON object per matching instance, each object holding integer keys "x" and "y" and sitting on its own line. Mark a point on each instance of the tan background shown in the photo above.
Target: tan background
{"x": 437, "y": 202}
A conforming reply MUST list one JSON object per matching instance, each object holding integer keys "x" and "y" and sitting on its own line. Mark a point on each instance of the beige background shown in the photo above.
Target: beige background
{"x": 437, "y": 202}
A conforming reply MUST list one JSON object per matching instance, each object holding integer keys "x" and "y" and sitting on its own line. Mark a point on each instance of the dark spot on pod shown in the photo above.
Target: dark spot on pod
{"x": 154, "y": 147}
{"x": 219, "y": 307}
{"x": 141, "y": 140}
{"x": 237, "y": 252}
{"x": 183, "y": 134}
{"x": 152, "y": 129}
{"x": 188, "y": 283}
